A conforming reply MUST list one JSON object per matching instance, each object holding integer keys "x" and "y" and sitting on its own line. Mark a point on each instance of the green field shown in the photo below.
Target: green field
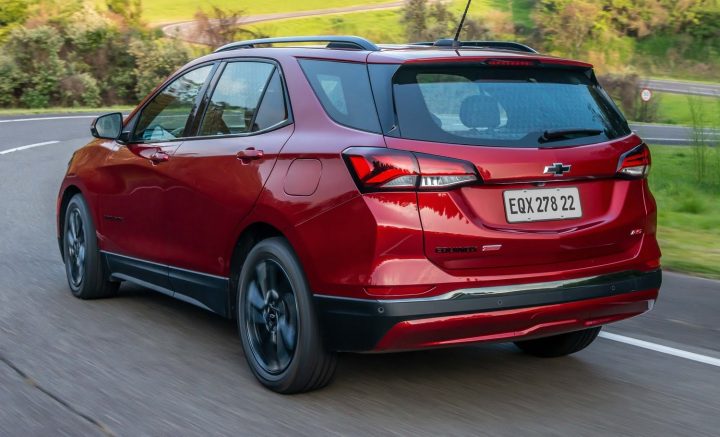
{"x": 688, "y": 212}
{"x": 384, "y": 26}
{"x": 167, "y": 11}
{"x": 675, "y": 109}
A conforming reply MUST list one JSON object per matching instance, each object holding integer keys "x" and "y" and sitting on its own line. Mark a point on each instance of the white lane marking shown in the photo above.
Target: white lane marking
{"x": 65, "y": 117}
{"x": 29, "y": 146}
{"x": 662, "y": 349}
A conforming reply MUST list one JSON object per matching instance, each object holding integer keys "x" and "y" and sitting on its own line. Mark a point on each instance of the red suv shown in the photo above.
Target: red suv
{"x": 354, "y": 197}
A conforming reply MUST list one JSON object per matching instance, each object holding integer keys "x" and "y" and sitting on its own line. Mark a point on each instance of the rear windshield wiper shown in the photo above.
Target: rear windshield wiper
{"x": 560, "y": 134}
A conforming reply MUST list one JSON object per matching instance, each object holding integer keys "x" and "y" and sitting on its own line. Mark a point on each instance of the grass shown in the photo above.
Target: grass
{"x": 64, "y": 110}
{"x": 688, "y": 211}
{"x": 384, "y": 26}
{"x": 377, "y": 26}
{"x": 167, "y": 11}
{"x": 675, "y": 108}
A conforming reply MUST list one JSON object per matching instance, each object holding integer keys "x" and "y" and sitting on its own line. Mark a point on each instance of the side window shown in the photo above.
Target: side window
{"x": 343, "y": 89}
{"x": 167, "y": 114}
{"x": 234, "y": 103}
{"x": 272, "y": 110}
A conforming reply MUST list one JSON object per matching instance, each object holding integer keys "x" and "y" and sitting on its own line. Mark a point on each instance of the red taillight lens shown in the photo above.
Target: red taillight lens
{"x": 635, "y": 164}
{"x": 382, "y": 169}
{"x": 378, "y": 169}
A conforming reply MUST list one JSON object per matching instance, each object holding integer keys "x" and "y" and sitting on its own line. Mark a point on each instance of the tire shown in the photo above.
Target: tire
{"x": 559, "y": 345}
{"x": 86, "y": 272}
{"x": 276, "y": 321}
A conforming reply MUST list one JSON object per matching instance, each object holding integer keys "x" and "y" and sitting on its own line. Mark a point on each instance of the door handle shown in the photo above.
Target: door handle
{"x": 159, "y": 156}
{"x": 249, "y": 154}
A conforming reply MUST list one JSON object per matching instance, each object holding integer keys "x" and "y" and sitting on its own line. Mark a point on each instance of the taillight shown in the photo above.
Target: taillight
{"x": 635, "y": 164}
{"x": 379, "y": 169}
{"x": 511, "y": 63}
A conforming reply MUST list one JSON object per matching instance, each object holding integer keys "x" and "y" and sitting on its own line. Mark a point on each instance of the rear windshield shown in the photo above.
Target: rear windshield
{"x": 511, "y": 107}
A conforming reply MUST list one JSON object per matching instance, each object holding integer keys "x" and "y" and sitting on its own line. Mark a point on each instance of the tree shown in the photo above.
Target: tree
{"x": 220, "y": 26}
{"x": 415, "y": 19}
{"x": 566, "y": 25}
{"x": 12, "y": 13}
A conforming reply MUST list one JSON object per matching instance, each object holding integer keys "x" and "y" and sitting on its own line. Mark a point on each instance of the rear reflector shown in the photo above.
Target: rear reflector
{"x": 635, "y": 164}
{"x": 378, "y": 169}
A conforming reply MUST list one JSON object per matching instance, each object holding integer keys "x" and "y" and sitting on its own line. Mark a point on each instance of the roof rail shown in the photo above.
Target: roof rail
{"x": 503, "y": 45}
{"x": 346, "y": 42}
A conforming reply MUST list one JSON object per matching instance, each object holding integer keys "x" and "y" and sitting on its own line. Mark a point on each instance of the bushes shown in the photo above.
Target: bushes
{"x": 78, "y": 55}
{"x": 37, "y": 65}
{"x": 155, "y": 60}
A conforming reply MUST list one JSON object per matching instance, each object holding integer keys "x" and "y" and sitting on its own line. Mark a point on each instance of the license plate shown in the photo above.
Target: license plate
{"x": 542, "y": 204}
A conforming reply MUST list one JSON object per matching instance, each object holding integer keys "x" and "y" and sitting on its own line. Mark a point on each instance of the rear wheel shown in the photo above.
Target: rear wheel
{"x": 277, "y": 323}
{"x": 559, "y": 345}
{"x": 86, "y": 273}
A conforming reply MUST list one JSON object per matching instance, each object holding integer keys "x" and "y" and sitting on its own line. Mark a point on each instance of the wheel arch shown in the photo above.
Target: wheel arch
{"x": 67, "y": 194}
{"x": 250, "y": 236}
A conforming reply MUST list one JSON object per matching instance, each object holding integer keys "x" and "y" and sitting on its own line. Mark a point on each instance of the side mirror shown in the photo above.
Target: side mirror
{"x": 108, "y": 126}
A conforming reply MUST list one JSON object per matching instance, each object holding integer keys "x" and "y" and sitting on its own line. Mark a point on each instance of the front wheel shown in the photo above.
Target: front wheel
{"x": 86, "y": 273}
{"x": 559, "y": 345}
{"x": 277, "y": 324}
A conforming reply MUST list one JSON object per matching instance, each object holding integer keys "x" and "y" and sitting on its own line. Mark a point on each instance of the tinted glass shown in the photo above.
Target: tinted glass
{"x": 343, "y": 89}
{"x": 511, "y": 107}
{"x": 235, "y": 99}
{"x": 272, "y": 110}
{"x": 167, "y": 114}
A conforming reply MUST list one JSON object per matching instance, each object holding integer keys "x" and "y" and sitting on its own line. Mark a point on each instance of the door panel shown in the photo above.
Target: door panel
{"x": 132, "y": 209}
{"x": 211, "y": 191}
{"x": 217, "y": 177}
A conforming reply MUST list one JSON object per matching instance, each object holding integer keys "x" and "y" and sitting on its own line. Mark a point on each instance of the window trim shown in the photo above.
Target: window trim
{"x": 132, "y": 124}
{"x": 202, "y": 110}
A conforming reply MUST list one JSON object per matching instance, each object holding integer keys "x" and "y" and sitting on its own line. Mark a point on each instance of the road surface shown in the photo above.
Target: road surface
{"x": 670, "y": 134}
{"x": 683, "y": 87}
{"x": 144, "y": 364}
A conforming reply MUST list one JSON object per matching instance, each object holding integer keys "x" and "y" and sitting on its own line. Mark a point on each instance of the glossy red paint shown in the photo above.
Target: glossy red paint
{"x": 515, "y": 325}
{"x": 191, "y": 210}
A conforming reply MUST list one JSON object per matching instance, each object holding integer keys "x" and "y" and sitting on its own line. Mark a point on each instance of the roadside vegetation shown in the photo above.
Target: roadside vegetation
{"x": 106, "y": 52}
{"x": 688, "y": 207}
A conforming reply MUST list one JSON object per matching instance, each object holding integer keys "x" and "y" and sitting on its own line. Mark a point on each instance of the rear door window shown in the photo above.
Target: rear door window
{"x": 234, "y": 103}
{"x": 343, "y": 89}
{"x": 513, "y": 107}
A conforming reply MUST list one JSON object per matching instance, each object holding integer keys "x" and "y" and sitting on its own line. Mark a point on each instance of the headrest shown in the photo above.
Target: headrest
{"x": 480, "y": 111}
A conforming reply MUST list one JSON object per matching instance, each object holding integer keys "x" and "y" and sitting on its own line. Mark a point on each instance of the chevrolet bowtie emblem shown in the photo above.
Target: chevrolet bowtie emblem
{"x": 557, "y": 169}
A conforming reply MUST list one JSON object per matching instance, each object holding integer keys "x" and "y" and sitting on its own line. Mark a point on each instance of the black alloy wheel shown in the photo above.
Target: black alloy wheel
{"x": 276, "y": 321}
{"x": 87, "y": 274}
{"x": 271, "y": 316}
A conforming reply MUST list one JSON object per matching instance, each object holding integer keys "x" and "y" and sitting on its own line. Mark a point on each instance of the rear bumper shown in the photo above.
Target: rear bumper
{"x": 505, "y": 313}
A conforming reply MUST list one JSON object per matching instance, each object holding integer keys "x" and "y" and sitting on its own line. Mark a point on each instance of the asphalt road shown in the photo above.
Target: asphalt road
{"x": 144, "y": 364}
{"x": 669, "y": 134}
{"x": 683, "y": 87}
